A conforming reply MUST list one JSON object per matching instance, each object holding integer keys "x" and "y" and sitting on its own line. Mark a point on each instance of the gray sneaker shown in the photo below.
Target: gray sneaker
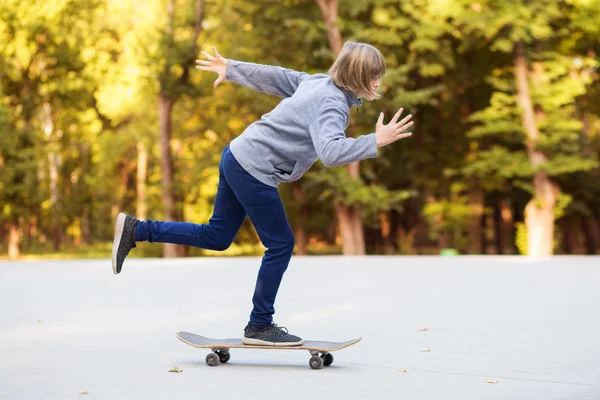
{"x": 124, "y": 240}
{"x": 271, "y": 335}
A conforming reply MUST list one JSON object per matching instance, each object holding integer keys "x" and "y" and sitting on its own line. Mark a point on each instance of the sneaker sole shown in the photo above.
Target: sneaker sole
{"x": 258, "y": 342}
{"x": 119, "y": 225}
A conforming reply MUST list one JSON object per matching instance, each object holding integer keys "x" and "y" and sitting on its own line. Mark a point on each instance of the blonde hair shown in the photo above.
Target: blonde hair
{"x": 356, "y": 67}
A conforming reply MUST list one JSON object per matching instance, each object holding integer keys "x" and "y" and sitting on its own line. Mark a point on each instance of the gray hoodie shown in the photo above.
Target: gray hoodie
{"x": 306, "y": 126}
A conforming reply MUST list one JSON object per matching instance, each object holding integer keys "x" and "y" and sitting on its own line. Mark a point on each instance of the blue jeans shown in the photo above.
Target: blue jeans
{"x": 238, "y": 194}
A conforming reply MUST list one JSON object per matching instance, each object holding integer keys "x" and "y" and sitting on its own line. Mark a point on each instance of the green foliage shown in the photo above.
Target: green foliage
{"x": 336, "y": 185}
{"x": 451, "y": 216}
{"x": 521, "y": 240}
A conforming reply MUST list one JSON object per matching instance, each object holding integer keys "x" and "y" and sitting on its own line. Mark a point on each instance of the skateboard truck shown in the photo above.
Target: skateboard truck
{"x": 319, "y": 361}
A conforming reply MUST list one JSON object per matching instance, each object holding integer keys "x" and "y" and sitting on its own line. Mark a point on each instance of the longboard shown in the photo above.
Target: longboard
{"x": 319, "y": 350}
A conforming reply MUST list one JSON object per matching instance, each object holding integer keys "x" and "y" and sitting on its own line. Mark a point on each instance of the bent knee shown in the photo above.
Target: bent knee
{"x": 221, "y": 246}
{"x": 291, "y": 242}
{"x": 286, "y": 244}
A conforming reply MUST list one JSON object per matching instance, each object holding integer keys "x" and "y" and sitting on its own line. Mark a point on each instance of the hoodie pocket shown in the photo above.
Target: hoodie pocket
{"x": 286, "y": 169}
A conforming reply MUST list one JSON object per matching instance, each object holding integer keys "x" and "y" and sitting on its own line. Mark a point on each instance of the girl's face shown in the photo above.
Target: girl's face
{"x": 375, "y": 83}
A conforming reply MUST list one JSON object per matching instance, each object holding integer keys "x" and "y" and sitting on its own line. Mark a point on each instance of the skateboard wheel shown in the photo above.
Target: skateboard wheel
{"x": 327, "y": 359}
{"x": 316, "y": 362}
{"x": 224, "y": 356}
{"x": 213, "y": 360}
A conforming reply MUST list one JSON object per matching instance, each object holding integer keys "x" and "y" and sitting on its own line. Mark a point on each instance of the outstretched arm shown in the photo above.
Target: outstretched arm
{"x": 334, "y": 148}
{"x": 331, "y": 144}
{"x": 265, "y": 78}
{"x": 279, "y": 81}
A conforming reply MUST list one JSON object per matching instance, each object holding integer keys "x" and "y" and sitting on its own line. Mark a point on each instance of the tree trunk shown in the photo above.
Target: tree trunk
{"x": 329, "y": 9}
{"x": 345, "y": 227}
{"x": 385, "y": 224}
{"x": 484, "y": 230}
{"x": 539, "y": 212}
{"x": 476, "y": 194}
{"x": 539, "y": 217}
{"x": 590, "y": 226}
{"x": 358, "y": 236}
{"x": 48, "y": 127}
{"x": 30, "y": 226}
{"x": 505, "y": 228}
{"x": 358, "y": 233}
{"x": 489, "y": 224}
{"x": 14, "y": 239}
{"x": 475, "y": 233}
{"x": 169, "y": 92}
{"x": 352, "y": 234}
{"x": 411, "y": 228}
{"x": 121, "y": 190}
{"x": 441, "y": 226}
{"x": 301, "y": 241}
{"x": 142, "y": 172}
{"x": 592, "y": 235}
{"x": 300, "y": 235}
{"x": 165, "y": 107}
{"x": 56, "y": 231}
{"x": 85, "y": 224}
{"x": 498, "y": 229}
{"x": 569, "y": 242}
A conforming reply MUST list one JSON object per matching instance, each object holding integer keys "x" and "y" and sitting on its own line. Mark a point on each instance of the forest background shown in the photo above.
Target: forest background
{"x": 102, "y": 111}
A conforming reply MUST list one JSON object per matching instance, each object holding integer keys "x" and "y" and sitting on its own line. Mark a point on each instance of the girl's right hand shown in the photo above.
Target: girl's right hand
{"x": 216, "y": 64}
{"x": 386, "y": 134}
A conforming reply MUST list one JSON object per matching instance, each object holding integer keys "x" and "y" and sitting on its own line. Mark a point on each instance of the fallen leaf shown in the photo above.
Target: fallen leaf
{"x": 402, "y": 370}
{"x": 425, "y": 350}
{"x": 424, "y": 329}
{"x": 492, "y": 381}
{"x": 175, "y": 369}
{"x": 84, "y": 392}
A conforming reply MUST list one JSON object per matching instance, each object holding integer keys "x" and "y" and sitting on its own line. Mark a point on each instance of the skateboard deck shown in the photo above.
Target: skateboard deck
{"x": 320, "y": 350}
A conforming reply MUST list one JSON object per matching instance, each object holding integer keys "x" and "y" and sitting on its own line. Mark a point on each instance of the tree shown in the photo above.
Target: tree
{"x": 546, "y": 114}
{"x": 41, "y": 87}
{"x": 349, "y": 218}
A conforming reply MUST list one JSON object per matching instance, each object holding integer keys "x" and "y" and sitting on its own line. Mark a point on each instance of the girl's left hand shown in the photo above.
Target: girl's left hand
{"x": 386, "y": 134}
{"x": 216, "y": 64}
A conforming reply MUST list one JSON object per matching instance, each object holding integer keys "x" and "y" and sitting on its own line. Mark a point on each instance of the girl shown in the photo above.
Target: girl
{"x": 306, "y": 126}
